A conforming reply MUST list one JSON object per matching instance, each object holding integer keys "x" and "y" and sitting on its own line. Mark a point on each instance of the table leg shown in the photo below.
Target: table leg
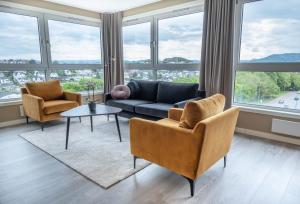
{"x": 117, "y": 122}
{"x": 67, "y": 133}
{"x": 91, "y": 120}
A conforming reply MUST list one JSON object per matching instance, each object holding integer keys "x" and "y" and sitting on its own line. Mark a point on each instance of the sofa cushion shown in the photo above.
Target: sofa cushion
{"x": 50, "y": 90}
{"x": 195, "y": 111}
{"x": 58, "y": 106}
{"x": 169, "y": 92}
{"x": 134, "y": 89}
{"x": 127, "y": 104}
{"x": 148, "y": 90}
{"x": 159, "y": 110}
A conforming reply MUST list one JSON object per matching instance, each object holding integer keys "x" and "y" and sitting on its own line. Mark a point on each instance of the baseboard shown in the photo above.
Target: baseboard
{"x": 13, "y": 122}
{"x": 270, "y": 136}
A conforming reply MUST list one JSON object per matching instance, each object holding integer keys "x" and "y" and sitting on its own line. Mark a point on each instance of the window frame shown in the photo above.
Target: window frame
{"x": 154, "y": 19}
{"x": 46, "y": 65}
{"x": 255, "y": 67}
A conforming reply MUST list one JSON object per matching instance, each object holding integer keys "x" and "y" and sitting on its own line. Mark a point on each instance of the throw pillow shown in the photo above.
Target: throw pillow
{"x": 120, "y": 92}
{"x": 195, "y": 111}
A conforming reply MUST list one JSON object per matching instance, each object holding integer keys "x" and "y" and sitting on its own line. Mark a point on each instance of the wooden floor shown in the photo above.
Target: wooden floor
{"x": 258, "y": 171}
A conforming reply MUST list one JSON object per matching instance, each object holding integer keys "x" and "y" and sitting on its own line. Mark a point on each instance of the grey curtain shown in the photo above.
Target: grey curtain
{"x": 216, "y": 71}
{"x": 112, "y": 50}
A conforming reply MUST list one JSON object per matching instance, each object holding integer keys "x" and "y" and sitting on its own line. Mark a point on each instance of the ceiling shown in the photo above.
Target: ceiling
{"x": 102, "y": 6}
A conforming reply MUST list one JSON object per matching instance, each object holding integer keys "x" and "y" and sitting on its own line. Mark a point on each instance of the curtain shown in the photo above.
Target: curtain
{"x": 216, "y": 71}
{"x": 112, "y": 50}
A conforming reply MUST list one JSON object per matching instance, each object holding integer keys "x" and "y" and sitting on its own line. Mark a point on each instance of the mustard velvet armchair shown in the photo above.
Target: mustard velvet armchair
{"x": 44, "y": 101}
{"x": 187, "y": 152}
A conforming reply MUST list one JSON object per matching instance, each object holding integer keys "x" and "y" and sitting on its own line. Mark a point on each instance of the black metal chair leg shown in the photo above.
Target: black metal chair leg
{"x": 42, "y": 126}
{"x": 118, "y": 127}
{"x": 91, "y": 120}
{"x": 225, "y": 160}
{"x": 192, "y": 185}
{"x": 134, "y": 161}
{"x": 27, "y": 119}
{"x": 79, "y": 119}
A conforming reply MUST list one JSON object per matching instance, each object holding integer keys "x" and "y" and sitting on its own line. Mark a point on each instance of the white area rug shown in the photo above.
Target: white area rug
{"x": 97, "y": 155}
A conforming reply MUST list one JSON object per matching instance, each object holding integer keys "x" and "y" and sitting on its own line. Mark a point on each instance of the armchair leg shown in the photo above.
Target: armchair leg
{"x": 80, "y": 119}
{"x": 225, "y": 161}
{"x": 192, "y": 185}
{"x": 27, "y": 120}
{"x": 42, "y": 126}
{"x": 134, "y": 161}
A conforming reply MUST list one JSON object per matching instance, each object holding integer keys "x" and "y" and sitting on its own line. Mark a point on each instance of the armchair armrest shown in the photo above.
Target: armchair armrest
{"x": 107, "y": 97}
{"x": 175, "y": 113}
{"x": 172, "y": 147}
{"x": 33, "y": 106}
{"x": 71, "y": 96}
{"x": 181, "y": 104}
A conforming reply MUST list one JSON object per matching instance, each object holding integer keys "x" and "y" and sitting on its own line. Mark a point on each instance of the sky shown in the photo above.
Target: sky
{"x": 269, "y": 27}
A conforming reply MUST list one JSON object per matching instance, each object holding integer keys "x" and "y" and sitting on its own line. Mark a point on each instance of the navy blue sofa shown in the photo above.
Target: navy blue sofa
{"x": 155, "y": 98}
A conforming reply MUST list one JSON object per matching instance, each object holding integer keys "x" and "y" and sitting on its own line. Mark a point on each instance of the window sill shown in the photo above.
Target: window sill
{"x": 11, "y": 103}
{"x": 266, "y": 111}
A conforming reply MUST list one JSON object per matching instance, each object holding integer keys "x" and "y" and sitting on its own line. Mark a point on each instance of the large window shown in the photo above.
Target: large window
{"x": 74, "y": 43}
{"x": 137, "y": 43}
{"x": 269, "y": 70}
{"x": 19, "y": 39}
{"x": 38, "y": 47}
{"x": 180, "y": 39}
{"x": 164, "y": 47}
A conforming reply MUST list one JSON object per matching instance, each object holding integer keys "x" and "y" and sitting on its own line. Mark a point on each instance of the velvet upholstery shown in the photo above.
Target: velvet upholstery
{"x": 134, "y": 89}
{"x": 154, "y": 109}
{"x": 188, "y": 152}
{"x": 120, "y": 92}
{"x": 39, "y": 109}
{"x": 148, "y": 90}
{"x": 195, "y": 111}
{"x": 49, "y": 90}
{"x": 183, "y": 91}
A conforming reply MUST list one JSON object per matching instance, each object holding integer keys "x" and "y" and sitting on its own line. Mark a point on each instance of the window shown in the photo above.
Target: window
{"x": 164, "y": 47}
{"x": 12, "y": 81}
{"x": 268, "y": 74}
{"x": 180, "y": 39}
{"x": 37, "y": 47}
{"x": 19, "y": 39}
{"x": 137, "y": 44}
{"x": 76, "y": 80}
{"x": 74, "y": 43}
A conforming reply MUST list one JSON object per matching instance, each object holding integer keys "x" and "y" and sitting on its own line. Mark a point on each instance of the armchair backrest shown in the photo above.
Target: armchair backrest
{"x": 49, "y": 90}
{"x": 218, "y": 132}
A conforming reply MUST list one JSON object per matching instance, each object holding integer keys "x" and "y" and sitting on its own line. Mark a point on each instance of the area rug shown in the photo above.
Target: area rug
{"x": 97, "y": 155}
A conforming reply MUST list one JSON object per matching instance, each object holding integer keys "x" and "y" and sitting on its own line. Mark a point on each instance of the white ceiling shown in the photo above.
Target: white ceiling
{"x": 103, "y": 6}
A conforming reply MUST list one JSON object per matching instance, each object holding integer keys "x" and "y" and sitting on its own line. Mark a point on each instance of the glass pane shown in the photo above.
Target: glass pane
{"x": 74, "y": 43}
{"x": 19, "y": 39}
{"x": 180, "y": 39}
{"x": 138, "y": 74}
{"x": 12, "y": 81}
{"x": 181, "y": 76}
{"x": 136, "y": 44}
{"x": 275, "y": 89}
{"x": 76, "y": 80}
{"x": 271, "y": 30}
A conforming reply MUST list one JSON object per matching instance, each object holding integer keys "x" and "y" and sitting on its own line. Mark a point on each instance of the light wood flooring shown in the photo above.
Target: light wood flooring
{"x": 258, "y": 171}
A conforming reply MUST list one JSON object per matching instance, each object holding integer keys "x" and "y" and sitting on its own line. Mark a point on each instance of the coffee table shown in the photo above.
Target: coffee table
{"x": 84, "y": 111}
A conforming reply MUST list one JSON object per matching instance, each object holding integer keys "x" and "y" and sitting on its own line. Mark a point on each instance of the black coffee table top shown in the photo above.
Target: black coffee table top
{"x": 84, "y": 110}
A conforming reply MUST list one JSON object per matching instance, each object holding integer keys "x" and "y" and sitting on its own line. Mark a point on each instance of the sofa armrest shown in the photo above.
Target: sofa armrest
{"x": 71, "y": 96}
{"x": 33, "y": 106}
{"x": 175, "y": 148}
{"x": 175, "y": 113}
{"x": 107, "y": 97}
{"x": 181, "y": 104}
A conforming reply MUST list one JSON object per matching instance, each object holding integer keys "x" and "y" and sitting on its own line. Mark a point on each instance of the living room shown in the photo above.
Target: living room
{"x": 149, "y": 101}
